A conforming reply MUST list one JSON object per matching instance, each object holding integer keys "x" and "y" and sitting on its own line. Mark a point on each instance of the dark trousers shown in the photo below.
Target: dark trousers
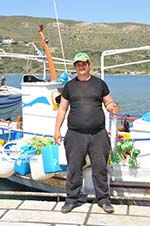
{"x": 77, "y": 146}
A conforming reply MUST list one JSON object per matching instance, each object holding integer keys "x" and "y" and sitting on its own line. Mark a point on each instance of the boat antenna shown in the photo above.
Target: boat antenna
{"x": 60, "y": 38}
{"x": 51, "y": 66}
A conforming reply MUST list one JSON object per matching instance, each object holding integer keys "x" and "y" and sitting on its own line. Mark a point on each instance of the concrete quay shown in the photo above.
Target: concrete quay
{"x": 48, "y": 213}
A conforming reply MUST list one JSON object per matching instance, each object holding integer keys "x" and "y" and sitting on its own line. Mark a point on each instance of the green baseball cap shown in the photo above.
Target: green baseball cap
{"x": 81, "y": 57}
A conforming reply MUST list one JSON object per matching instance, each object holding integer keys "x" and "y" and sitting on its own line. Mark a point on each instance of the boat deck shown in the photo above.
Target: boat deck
{"x": 17, "y": 212}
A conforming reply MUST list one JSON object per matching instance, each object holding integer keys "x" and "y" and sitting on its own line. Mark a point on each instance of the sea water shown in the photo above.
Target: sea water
{"x": 132, "y": 92}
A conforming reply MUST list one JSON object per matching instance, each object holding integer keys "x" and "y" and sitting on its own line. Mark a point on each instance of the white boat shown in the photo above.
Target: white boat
{"x": 10, "y": 99}
{"x": 39, "y": 109}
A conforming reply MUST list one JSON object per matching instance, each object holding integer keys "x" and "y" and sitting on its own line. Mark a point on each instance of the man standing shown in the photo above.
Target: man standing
{"x": 86, "y": 134}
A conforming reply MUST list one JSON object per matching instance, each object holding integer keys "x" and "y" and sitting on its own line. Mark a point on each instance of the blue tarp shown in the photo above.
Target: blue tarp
{"x": 146, "y": 117}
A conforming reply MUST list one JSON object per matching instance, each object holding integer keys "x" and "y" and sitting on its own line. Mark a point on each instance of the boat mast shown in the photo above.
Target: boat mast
{"x": 51, "y": 66}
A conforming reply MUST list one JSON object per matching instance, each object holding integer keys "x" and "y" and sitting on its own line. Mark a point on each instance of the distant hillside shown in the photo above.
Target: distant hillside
{"x": 77, "y": 36}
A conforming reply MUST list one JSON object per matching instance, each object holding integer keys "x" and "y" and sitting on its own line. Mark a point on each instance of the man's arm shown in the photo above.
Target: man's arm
{"x": 110, "y": 105}
{"x": 63, "y": 107}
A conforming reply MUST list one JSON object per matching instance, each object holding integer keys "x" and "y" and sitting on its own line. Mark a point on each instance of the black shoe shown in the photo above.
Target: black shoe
{"x": 107, "y": 207}
{"x": 68, "y": 207}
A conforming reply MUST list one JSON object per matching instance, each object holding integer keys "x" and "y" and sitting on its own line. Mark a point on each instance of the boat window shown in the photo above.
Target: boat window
{"x": 31, "y": 78}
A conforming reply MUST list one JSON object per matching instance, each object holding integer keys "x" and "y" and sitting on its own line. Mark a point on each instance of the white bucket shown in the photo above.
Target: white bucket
{"x": 37, "y": 169}
{"x": 6, "y": 166}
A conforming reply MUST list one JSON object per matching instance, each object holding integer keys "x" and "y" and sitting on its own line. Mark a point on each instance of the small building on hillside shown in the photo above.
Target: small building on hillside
{"x": 7, "y": 41}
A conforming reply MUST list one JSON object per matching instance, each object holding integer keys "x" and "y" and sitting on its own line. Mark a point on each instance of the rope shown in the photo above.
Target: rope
{"x": 28, "y": 65}
{"x": 60, "y": 38}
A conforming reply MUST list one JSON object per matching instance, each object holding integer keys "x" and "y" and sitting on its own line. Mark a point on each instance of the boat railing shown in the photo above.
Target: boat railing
{"x": 6, "y": 132}
{"x": 111, "y": 122}
{"x": 120, "y": 51}
{"x": 39, "y": 58}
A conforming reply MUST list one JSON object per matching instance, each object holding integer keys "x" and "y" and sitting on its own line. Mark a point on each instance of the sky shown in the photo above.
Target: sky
{"x": 106, "y": 11}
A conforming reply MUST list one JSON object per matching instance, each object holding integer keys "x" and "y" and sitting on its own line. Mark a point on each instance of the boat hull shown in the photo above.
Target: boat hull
{"x": 118, "y": 188}
{"x": 10, "y": 101}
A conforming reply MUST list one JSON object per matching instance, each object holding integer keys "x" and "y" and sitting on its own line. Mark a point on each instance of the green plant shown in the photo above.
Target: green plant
{"x": 38, "y": 143}
{"x": 125, "y": 151}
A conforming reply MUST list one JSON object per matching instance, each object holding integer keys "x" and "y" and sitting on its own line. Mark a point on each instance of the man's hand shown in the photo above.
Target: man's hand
{"x": 57, "y": 137}
{"x": 113, "y": 108}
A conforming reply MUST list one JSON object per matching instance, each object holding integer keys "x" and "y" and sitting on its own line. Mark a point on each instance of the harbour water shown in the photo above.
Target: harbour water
{"x": 132, "y": 92}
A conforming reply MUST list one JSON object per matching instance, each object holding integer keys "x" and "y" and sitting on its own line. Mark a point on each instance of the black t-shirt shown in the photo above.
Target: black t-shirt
{"x": 85, "y": 97}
